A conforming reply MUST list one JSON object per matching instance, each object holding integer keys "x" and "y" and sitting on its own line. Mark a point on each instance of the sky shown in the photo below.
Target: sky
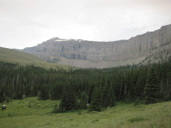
{"x": 26, "y": 23}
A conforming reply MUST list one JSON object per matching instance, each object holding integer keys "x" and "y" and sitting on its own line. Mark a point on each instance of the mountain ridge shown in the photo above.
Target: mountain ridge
{"x": 149, "y": 47}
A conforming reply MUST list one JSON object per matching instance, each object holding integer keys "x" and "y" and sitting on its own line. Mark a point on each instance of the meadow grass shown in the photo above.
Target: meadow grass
{"x": 33, "y": 113}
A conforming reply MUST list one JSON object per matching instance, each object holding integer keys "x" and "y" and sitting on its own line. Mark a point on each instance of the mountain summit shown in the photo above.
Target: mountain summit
{"x": 150, "y": 47}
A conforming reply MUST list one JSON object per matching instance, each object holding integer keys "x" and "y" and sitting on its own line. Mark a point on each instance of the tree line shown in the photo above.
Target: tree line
{"x": 91, "y": 89}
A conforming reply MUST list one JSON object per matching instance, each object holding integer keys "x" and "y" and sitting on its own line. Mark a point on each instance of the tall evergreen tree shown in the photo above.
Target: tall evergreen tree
{"x": 108, "y": 98}
{"x": 96, "y": 100}
{"x": 111, "y": 97}
{"x": 167, "y": 90}
{"x": 105, "y": 95}
{"x": 72, "y": 99}
{"x": 152, "y": 88}
{"x": 63, "y": 104}
{"x": 140, "y": 84}
{"x": 69, "y": 100}
{"x": 44, "y": 93}
{"x": 83, "y": 100}
{"x": 56, "y": 91}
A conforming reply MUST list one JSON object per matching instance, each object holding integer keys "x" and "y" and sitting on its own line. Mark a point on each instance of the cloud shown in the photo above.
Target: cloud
{"x": 26, "y": 23}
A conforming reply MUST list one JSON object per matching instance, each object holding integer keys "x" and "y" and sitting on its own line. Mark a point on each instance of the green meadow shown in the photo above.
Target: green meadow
{"x": 34, "y": 113}
{"x": 24, "y": 59}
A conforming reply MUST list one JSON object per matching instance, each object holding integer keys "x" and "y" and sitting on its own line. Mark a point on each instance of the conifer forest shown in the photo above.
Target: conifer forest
{"x": 91, "y": 89}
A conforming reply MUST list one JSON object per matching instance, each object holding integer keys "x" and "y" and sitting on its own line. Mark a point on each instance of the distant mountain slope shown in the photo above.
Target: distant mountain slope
{"x": 22, "y": 58}
{"x": 150, "y": 47}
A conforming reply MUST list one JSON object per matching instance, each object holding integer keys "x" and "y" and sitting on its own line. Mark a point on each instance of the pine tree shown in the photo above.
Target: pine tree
{"x": 63, "y": 103}
{"x": 104, "y": 95}
{"x": 56, "y": 91}
{"x": 152, "y": 88}
{"x": 83, "y": 101}
{"x": 72, "y": 99}
{"x": 68, "y": 101}
{"x": 168, "y": 87}
{"x": 111, "y": 96}
{"x": 140, "y": 84}
{"x": 96, "y": 100}
{"x": 44, "y": 93}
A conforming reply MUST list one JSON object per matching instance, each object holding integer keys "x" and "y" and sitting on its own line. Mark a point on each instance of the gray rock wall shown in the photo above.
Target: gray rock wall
{"x": 105, "y": 54}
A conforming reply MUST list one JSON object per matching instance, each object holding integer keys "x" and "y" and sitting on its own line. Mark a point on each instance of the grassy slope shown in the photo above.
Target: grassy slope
{"x": 31, "y": 113}
{"x": 14, "y": 56}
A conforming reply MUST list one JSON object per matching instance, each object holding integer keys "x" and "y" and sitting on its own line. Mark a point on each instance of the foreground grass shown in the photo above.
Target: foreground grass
{"x": 32, "y": 113}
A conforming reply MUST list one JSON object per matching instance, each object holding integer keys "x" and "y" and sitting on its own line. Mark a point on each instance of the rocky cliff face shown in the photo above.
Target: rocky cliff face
{"x": 149, "y": 47}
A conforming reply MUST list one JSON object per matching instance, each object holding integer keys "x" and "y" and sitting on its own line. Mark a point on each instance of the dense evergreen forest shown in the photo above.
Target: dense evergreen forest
{"x": 87, "y": 88}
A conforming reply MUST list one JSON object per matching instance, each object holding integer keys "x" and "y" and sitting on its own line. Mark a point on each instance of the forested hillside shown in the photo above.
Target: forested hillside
{"x": 82, "y": 87}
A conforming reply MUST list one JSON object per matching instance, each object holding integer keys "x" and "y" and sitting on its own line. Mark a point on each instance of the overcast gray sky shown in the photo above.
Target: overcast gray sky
{"x": 25, "y": 23}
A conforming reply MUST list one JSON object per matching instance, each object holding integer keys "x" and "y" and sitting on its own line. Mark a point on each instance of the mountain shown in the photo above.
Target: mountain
{"x": 150, "y": 47}
{"x": 22, "y": 58}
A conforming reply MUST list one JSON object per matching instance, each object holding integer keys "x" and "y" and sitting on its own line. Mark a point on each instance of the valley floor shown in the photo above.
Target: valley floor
{"x": 33, "y": 113}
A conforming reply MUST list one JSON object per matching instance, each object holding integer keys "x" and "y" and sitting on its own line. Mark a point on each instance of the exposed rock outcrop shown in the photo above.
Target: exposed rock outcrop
{"x": 149, "y": 47}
